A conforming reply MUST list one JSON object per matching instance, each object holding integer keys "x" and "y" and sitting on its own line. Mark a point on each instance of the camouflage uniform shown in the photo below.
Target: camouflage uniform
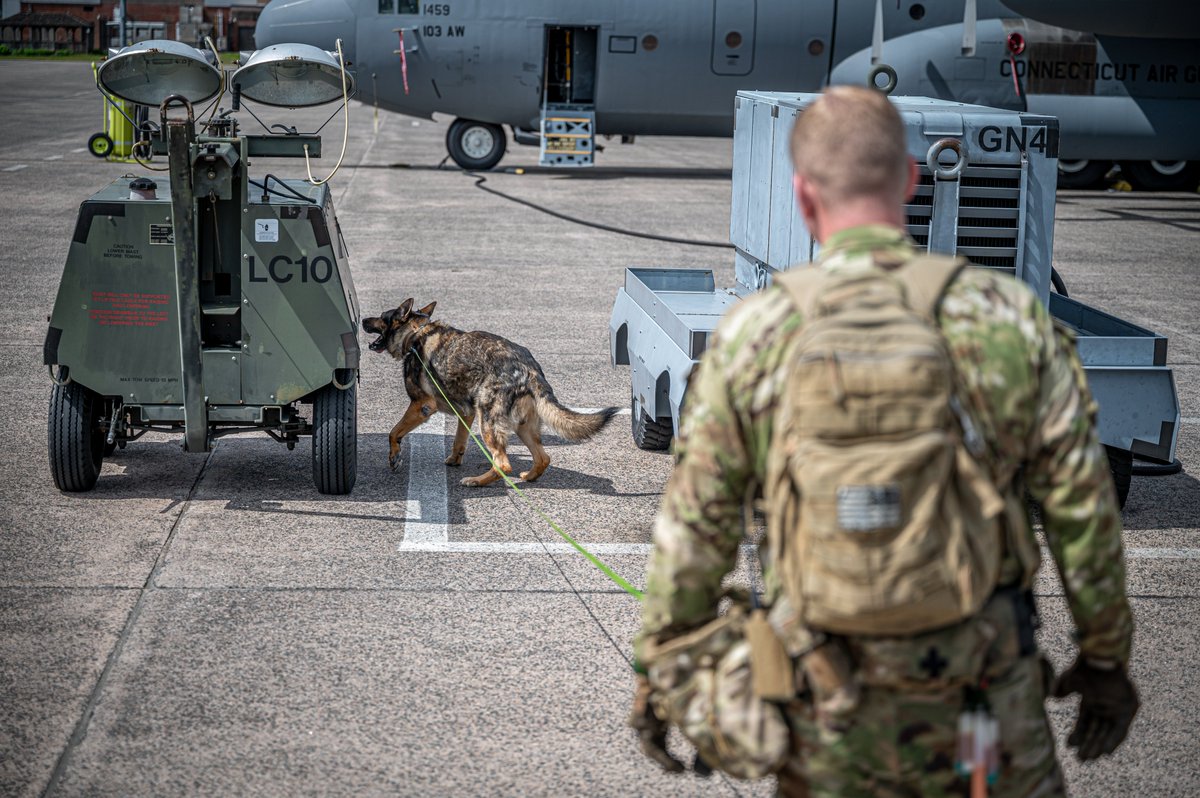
{"x": 1029, "y": 397}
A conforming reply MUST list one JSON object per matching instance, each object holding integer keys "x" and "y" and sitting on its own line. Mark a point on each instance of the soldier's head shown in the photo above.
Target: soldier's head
{"x": 852, "y": 166}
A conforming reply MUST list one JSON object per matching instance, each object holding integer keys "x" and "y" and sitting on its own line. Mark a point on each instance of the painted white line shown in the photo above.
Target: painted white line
{"x": 464, "y": 547}
{"x": 476, "y": 547}
{"x": 427, "y": 514}
{"x": 1166, "y": 553}
{"x": 1191, "y": 420}
{"x": 53, "y": 158}
{"x": 16, "y": 168}
{"x": 79, "y": 149}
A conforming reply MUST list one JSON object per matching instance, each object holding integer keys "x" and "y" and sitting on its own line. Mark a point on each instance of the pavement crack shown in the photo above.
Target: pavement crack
{"x": 85, "y": 719}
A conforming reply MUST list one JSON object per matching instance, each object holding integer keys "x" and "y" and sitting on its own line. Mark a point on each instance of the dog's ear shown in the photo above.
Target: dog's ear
{"x": 427, "y": 311}
{"x": 402, "y": 312}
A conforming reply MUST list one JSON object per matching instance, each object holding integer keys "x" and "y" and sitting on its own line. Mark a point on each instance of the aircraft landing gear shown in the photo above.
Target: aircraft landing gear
{"x": 475, "y": 146}
{"x": 1082, "y": 174}
{"x": 1162, "y": 175}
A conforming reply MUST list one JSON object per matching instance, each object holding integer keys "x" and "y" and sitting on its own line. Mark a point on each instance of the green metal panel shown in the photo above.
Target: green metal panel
{"x": 295, "y": 308}
{"x": 116, "y": 302}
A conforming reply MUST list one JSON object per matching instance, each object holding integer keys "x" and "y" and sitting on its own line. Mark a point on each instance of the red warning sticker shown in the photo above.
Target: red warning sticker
{"x": 115, "y": 309}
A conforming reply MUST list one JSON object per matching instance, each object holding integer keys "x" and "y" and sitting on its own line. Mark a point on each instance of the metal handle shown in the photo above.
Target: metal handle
{"x": 177, "y": 99}
{"x": 66, "y": 376}
{"x": 946, "y": 172}
{"x": 882, "y": 69}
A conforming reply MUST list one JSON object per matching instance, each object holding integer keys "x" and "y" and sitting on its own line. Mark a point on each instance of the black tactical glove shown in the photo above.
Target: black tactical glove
{"x": 1108, "y": 702}
{"x": 652, "y": 732}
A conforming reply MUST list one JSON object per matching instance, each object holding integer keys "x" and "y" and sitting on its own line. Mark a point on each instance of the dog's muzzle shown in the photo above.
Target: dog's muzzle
{"x": 378, "y": 345}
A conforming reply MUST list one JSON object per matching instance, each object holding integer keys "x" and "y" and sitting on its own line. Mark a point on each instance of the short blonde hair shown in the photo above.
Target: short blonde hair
{"x": 850, "y": 143}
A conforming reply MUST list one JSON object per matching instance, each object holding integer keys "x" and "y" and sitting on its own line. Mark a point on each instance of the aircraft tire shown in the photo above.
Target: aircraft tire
{"x": 1082, "y": 174}
{"x": 1162, "y": 175}
{"x": 335, "y": 439}
{"x": 475, "y": 146}
{"x": 76, "y": 440}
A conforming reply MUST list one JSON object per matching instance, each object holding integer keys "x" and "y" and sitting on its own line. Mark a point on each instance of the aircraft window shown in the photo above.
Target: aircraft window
{"x": 387, "y": 6}
{"x": 649, "y": 42}
{"x": 409, "y": 7}
{"x": 733, "y": 40}
{"x": 622, "y": 44}
{"x": 916, "y": 11}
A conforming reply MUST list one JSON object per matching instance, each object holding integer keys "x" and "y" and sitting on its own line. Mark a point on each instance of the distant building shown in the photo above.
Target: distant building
{"x": 81, "y": 25}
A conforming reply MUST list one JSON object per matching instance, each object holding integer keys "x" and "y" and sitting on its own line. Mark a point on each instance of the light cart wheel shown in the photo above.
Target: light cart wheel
{"x": 475, "y": 146}
{"x": 100, "y": 145}
{"x": 75, "y": 438}
{"x": 648, "y": 433}
{"x": 335, "y": 439}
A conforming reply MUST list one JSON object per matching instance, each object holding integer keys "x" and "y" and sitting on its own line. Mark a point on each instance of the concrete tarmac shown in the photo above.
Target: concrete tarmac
{"x": 210, "y": 625}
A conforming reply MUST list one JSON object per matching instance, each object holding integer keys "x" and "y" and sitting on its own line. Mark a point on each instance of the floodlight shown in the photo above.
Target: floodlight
{"x": 292, "y": 76}
{"x": 148, "y": 72}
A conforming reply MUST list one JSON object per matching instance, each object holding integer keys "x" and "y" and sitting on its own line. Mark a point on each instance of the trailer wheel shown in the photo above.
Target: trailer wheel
{"x": 335, "y": 439}
{"x": 100, "y": 145}
{"x": 648, "y": 433}
{"x": 75, "y": 439}
{"x": 475, "y": 146}
{"x": 1161, "y": 175}
{"x": 1120, "y": 462}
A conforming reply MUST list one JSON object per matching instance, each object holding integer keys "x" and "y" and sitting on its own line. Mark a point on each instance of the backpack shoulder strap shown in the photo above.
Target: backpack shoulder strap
{"x": 803, "y": 286}
{"x": 926, "y": 278}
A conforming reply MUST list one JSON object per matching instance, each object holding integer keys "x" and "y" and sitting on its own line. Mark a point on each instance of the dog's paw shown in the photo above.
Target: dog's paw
{"x": 454, "y": 460}
{"x": 529, "y": 476}
{"x": 394, "y": 460}
{"x": 470, "y": 482}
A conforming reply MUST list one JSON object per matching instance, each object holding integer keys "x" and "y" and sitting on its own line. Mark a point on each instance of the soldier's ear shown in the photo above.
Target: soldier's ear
{"x": 427, "y": 311}
{"x": 404, "y": 310}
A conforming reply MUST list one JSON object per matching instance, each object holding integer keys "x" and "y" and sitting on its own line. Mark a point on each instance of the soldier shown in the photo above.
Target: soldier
{"x": 1027, "y": 399}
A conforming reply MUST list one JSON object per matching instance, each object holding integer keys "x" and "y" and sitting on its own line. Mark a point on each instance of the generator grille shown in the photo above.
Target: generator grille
{"x": 989, "y": 214}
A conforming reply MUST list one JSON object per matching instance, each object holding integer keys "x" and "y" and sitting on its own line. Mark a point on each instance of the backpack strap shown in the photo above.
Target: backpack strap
{"x": 803, "y": 286}
{"x": 926, "y": 278}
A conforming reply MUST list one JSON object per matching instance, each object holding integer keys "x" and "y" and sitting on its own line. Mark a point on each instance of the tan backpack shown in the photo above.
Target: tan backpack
{"x": 879, "y": 516}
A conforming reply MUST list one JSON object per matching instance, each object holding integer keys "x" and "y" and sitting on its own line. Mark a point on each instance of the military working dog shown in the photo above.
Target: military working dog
{"x": 481, "y": 374}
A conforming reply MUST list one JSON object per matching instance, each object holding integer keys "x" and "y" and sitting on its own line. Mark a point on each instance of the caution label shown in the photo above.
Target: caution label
{"x": 162, "y": 234}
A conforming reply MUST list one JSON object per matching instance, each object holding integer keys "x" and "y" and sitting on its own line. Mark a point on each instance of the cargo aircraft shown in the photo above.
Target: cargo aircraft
{"x": 1122, "y": 77}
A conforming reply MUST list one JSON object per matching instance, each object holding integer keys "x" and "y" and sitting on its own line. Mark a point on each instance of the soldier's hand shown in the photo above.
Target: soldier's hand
{"x": 652, "y": 732}
{"x": 1108, "y": 702}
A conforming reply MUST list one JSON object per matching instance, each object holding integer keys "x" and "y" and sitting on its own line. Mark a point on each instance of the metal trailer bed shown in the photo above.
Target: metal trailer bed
{"x": 992, "y": 201}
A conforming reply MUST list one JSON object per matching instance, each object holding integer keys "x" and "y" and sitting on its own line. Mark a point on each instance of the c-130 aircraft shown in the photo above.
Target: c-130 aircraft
{"x": 1122, "y": 77}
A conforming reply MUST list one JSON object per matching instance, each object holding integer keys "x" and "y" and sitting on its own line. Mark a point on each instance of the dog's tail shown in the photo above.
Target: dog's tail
{"x": 566, "y": 422}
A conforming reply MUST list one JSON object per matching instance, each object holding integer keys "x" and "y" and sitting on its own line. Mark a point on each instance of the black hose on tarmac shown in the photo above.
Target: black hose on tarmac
{"x": 481, "y": 180}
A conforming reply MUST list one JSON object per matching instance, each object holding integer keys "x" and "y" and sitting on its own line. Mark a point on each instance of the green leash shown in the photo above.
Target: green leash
{"x": 596, "y": 561}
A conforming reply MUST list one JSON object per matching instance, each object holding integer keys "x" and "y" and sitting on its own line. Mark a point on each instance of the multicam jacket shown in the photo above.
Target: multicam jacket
{"x": 1026, "y": 390}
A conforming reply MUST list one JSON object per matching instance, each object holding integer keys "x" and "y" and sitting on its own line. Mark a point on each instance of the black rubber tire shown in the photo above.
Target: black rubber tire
{"x": 1057, "y": 281}
{"x": 648, "y": 433}
{"x": 1144, "y": 176}
{"x": 1120, "y": 463}
{"x": 100, "y": 145}
{"x": 1082, "y": 174}
{"x": 75, "y": 439}
{"x": 460, "y": 129}
{"x": 335, "y": 439}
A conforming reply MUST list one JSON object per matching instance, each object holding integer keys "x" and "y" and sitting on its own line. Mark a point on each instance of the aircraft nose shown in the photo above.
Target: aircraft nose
{"x": 317, "y": 22}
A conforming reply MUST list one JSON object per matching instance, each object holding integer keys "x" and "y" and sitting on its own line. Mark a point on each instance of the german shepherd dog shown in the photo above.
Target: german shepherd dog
{"x": 481, "y": 374}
